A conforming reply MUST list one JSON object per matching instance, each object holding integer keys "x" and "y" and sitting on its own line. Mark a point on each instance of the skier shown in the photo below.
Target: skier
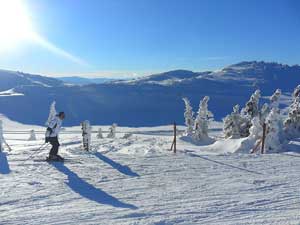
{"x": 52, "y": 136}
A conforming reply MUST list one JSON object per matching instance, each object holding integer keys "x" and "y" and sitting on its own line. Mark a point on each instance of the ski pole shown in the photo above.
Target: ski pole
{"x": 7, "y": 145}
{"x": 35, "y": 152}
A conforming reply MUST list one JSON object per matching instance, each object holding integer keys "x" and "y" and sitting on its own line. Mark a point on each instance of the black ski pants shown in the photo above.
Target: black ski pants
{"x": 55, "y": 145}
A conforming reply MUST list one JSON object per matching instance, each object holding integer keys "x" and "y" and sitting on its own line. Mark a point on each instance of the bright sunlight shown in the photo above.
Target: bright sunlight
{"x": 16, "y": 28}
{"x": 15, "y": 24}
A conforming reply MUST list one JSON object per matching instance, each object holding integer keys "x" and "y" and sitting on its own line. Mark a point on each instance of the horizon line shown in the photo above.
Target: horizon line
{"x": 127, "y": 74}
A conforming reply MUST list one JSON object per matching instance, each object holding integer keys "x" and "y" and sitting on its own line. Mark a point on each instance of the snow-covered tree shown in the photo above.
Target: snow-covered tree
{"x": 256, "y": 130}
{"x": 296, "y": 92}
{"x": 292, "y": 123}
{"x": 256, "y": 133}
{"x": 86, "y": 134}
{"x": 189, "y": 117}
{"x": 202, "y": 120}
{"x": 251, "y": 108}
{"x": 32, "y": 136}
{"x": 272, "y": 142}
{"x": 99, "y": 134}
{"x": 274, "y": 124}
{"x": 112, "y": 131}
{"x": 235, "y": 126}
{"x": 250, "y": 111}
{"x": 264, "y": 112}
{"x": 275, "y": 99}
{"x": 231, "y": 123}
{"x": 52, "y": 113}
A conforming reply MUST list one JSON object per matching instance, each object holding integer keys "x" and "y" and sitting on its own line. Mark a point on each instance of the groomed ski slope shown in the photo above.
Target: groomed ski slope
{"x": 138, "y": 181}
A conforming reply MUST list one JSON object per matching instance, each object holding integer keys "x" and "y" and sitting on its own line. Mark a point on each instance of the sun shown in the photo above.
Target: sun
{"x": 15, "y": 24}
{"x": 16, "y": 29}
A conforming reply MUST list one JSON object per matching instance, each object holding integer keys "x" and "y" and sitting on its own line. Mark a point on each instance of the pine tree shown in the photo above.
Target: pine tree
{"x": 272, "y": 142}
{"x": 251, "y": 108}
{"x": 256, "y": 133}
{"x": 250, "y": 111}
{"x": 292, "y": 123}
{"x": 275, "y": 99}
{"x": 264, "y": 112}
{"x": 202, "y": 120}
{"x": 235, "y": 125}
{"x": 189, "y": 117}
{"x": 231, "y": 127}
{"x": 52, "y": 113}
{"x": 256, "y": 130}
{"x": 274, "y": 124}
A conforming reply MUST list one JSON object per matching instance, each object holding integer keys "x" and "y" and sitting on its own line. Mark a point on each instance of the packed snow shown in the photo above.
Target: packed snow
{"x": 137, "y": 180}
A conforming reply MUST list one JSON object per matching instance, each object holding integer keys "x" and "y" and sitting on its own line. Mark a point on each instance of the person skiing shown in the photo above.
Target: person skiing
{"x": 52, "y": 132}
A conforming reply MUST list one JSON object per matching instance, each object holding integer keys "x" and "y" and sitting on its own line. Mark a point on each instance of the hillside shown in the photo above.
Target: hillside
{"x": 147, "y": 101}
{"x": 12, "y": 79}
{"x": 83, "y": 81}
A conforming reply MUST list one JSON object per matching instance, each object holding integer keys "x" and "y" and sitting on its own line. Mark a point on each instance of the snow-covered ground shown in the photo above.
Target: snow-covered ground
{"x": 138, "y": 181}
{"x": 10, "y": 92}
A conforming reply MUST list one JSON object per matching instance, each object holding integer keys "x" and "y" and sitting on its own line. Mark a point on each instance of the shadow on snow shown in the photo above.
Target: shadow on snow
{"x": 291, "y": 146}
{"x": 88, "y": 191}
{"x": 4, "y": 167}
{"x": 225, "y": 164}
{"x": 122, "y": 169}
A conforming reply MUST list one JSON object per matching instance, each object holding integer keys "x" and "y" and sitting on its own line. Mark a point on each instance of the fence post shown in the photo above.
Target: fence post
{"x": 175, "y": 134}
{"x": 263, "y": 138}
{"x": 173, "y": 146}
{"x": 86, "y": 134}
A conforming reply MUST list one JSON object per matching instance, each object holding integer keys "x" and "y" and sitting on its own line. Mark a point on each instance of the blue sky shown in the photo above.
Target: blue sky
{"x": 134, "y": 37}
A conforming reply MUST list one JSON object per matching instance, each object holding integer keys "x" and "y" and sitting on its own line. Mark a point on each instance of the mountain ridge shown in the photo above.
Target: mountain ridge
{"x": 147, "y": 101}
{"x": 77, "y": 80}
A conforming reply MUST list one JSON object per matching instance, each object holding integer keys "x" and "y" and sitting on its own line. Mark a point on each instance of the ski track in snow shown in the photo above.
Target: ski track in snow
{"x": 138, "y": 181}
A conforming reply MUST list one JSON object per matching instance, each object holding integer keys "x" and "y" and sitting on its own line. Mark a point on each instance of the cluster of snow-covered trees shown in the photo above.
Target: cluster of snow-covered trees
{"x": 197, "y": 128}
{"x": 250, "y": 120}
{"x": 238, "y": 123}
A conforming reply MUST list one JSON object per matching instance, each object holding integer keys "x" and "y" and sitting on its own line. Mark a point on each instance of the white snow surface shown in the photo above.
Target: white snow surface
{"x": 10, "y": 92}
{"x": 139, "y": 181}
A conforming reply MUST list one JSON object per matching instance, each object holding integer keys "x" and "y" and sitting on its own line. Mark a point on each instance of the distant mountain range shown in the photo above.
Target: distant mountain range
{"x": 145, "y": 101}
{"x": 83, "y": 81}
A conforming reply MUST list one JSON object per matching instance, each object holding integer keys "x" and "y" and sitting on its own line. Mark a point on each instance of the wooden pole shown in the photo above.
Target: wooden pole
{"x": 175, "y": 134}
{"x": 263, "y": 138}
{"x": 173, "y": 146}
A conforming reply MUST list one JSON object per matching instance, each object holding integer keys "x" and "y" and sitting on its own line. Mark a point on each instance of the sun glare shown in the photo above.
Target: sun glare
{"x": 15, "y": 24}
{"x": 16, "y": 28}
